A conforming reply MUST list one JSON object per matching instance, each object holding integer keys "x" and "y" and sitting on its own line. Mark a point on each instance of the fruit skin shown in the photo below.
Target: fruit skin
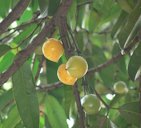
{"x": 120, "y": 87}
{"x": 64, "y": 77}
{"x": 77, "y": 66}
{"x": 91, "y": 104}
{"x": 53, "y": 49}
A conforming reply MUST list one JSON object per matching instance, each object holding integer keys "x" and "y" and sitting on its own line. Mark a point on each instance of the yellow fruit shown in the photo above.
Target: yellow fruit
{"x": 64, "y": 77}
{"x": 77, "y": 66}
{"x": 90, "y": 104}
{"x": 53, "y": 49}
{"x": 120, "y": 87}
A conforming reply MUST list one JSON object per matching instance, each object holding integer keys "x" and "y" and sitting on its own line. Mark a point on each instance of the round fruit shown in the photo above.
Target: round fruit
{"x": 101, "y": 89}
{"x": 77, "y": 66}
{"x": 64, "y": 76}
{"x": 53, "y": 49}
{"x": 120, "y": 87}
{"x": 90, "y": 104}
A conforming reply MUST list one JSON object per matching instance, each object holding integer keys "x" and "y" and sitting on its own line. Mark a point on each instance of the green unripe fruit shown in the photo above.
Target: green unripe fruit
{"x": 91, "y": 104}
{"x": 77, "y": 66}
{"x": 120, "y": 87}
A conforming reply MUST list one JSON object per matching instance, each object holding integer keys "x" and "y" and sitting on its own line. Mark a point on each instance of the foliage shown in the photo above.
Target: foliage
{"x": 98, "y": 30}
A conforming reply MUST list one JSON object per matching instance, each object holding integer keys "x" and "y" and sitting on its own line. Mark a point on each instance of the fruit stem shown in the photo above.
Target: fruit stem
{"x": 105, "y": 104}
{"x": 140, "y": 95}
{"x": 80, "y": 109}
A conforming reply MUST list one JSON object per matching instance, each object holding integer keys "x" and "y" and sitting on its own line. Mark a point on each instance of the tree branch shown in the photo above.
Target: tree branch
{"x": 80, "y": 109}
{"x": 114, "y": 58}
{"x": 13, "y": 15}
{"x": 47, "y": 31}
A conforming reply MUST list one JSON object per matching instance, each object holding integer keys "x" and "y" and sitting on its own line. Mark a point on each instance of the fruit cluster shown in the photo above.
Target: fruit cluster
{"x": 75, "y": 68}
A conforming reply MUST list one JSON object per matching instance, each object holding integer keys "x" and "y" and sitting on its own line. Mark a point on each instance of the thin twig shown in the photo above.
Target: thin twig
{"x": 14, "y": 14}
{"x": 105, "y": 104}
{"x": 114, "y": 58}
{"x": 140, "y": 96}
{"x": 80, "y": 110}
{"x": 49, "y": 87}
{"x": 39, "y": 68}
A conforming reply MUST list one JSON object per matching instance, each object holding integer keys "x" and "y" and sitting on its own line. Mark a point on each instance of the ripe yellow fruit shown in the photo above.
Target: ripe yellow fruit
{"x": 77, "y": 66}
{"x": 64, "y": 76}
{"x": 120, "y": 87}
{"x": 90, "y": 104}
{"x": 53, "y": 49}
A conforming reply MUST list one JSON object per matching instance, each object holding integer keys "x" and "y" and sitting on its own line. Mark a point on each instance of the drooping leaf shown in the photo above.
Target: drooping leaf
{"x": 130, "y": 112}
{"x": 127, "y": 29}
{"x": 4, "y": 7}
{"x": 5, "y": 98}
{"x": 53, "y": 6}
{"x": 13, "y": 118}
{"x": 6, "y": 61}
{"x": 119, "y": 23}
{"x": 4, "y": 49}
{"x": 135, "y": 62}
{"x": 25, "y": 96}
{"x": 68, "y": 99}
{"x": 55, "y": 113}
{"x": 71, "y": 16}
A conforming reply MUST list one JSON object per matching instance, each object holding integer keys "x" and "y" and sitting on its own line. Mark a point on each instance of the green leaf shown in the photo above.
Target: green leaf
{"x": 135, "y": 62}
{"x": 71, "y": 16}
{"x": 24, "y": 34}
{"x": 55, "y": 113}
{"x": 5, "y": 98}
{"x": 127, "y": 29}
{"x": 4, "y": 49}
{"x": 25, "y": 96}
{"x": 68, "y": 99}
{"x": 43, "y": 5}
{"x": 119, "y": 23}
{"x": 52, "y": 71}
{"x": 6, "y": 61}
{"x": 4, "y": 7}
{"x": 130, "y": 112}
{"x": 13, "y": 118}
{"x": 34, "y": 5}
{"x": 53, "y": 6}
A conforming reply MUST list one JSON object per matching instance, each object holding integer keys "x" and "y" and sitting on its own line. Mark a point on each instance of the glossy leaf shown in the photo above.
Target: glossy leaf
{"x": 4, "y": 49}
{"x": 127, "y": 29}
{"x": 135, "y": 62}
{"x": 119, "y": 23}
{"x": 6, "y": 61}
{"x": 4, "y": 9}
{"x": 130, "y": 112}
{"x": 55, "y": 113}
{"x": 24, "y": 88}
{"x": 71, "y": 17}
